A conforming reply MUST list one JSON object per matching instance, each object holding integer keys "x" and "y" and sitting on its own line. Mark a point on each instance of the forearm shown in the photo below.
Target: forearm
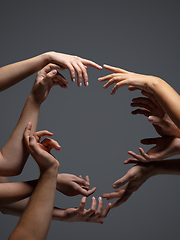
{"x": 13, "y": 192}
{"x": 167, "y": 97}
{"x": 14, "y": 154}
{"x": 35, "y": 221}
{"x": 14, "y": 73}
{"x": 171, "y": 166}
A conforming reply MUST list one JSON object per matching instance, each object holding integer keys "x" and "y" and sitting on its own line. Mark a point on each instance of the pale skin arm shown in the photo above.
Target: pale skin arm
{"x": 16, "y": 72}
{"x": 167, "y": 97}
{"x": 137, "y": 175}
{"x": 14, "y": 154}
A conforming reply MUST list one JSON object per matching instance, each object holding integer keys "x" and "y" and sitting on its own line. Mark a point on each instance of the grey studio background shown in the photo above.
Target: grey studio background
{"x": 94, "y": 128}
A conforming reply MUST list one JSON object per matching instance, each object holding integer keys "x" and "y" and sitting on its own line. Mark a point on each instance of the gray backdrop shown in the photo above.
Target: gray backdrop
{"x": 94, "y": 128}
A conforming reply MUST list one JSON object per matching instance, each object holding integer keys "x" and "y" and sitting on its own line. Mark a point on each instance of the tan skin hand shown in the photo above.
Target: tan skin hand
{"x": 123, "y": 78}
{"x": 134, "y": 178}
{"x": 165, "y": 147}
{"x": 80, "y": 214}
{"x": 150, "y": 108}
{"x": 75, "y": 65}
{"x": 72, "y": 185}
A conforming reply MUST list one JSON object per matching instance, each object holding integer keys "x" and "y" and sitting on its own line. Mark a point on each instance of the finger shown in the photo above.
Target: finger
{"x": 27, "y": 133}
{"x": 146, "y": 101}
{"x": 112, "y": 195}
{"x": 71, "y": 70}
{"x": 99, "y": 210}
{"x": 85, "y": 192}
{"x": 114, "y": 69}
{"x": 106, "y": 211}
{"x": 82, "y": 205}
{"x": 78, "y": 72}
{"x": 118, "y": 85}
{"x": 81, "y": 181}
{"x": 123, "y": 199}
{"x": 90, "y": 212}
{"x": 149, "y": 141}
{"x": 42, "y": 133}
{"x": 132, "y": 88}
{"x": 138, "y": 157}
{"x": 122, "y": 181}
{"x": 90, "y": 63}
{"x": 87, "y": 179}
{"x": 84, "y": 74}
{"x": 144, "y": 112}
{"x": 106, "y": 78}
{"x": 157, "y": 121}
{"x": 50, "y": 143}
{"x": 131, "y": 160}
{"x": 113, "y": 80}
{"x": 59, "y": 79}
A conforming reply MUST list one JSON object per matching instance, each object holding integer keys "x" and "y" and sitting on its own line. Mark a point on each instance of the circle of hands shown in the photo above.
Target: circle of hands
{"x": 166, "y": 145}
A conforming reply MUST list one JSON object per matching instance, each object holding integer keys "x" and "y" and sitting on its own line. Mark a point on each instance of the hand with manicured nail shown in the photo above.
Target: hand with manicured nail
{"x": 81, "y": 214}
{"x": 134, "y": 178}
{"x": 72, "y": 185}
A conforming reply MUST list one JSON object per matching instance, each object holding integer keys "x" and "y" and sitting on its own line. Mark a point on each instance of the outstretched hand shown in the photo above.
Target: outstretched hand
{"x": 134, "y": 178}
{"x": 74, "y": 64}
{"x": 80, "y": 214}
{"x": 72, "y": 185}
{"x": 164, "y": 147}
{"x": 122, "y": 78}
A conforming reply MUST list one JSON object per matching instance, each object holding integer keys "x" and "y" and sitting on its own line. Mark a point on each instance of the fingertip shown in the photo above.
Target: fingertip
{"x": 29, "y": 126}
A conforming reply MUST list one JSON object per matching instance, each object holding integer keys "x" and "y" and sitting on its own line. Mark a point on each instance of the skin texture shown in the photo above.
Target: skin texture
{"x": 167, "y": 97}
{"x": 137, "y": 175}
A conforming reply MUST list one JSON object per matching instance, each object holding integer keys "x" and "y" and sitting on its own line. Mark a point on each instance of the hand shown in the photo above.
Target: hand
{"x": 134, "y": 178}
{"x": 165, "y": 147}
{"x": 125, "y": 78}
{"x": 72, "y": 185}
{"x": 45, "y": 80}
{"x": 80, "y": 214}
{"x": 73, "y": 64}
{"x": 156, "y": 115}
{"x": 41, "y": 151}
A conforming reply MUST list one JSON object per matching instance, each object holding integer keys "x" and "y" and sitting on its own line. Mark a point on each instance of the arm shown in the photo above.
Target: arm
{"x": 35, "y": 221}
{"x": 14, "y": 154}
{"x": 137, "y": 175}
{"x": 167, "y": 97}
{"x": 14, "y": 73}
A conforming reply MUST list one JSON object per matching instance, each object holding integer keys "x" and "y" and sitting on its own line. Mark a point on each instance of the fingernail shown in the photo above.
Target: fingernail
{"x": 94, "y": 198}
{"x": 99, "y": 78}
{"x": 80, "y": 84}
{"x": 100, "y": 66}
{"x": 53, "y": 72}
{"x": 87, "y": 183}
{"x": 100, "y": 198}
{"x": 87, "y": 84}
{"x": 114, "y": 185}
{"x": 73, "y": 79}
{"x": 151, "y": 118}
{"x": 109, "y": 204}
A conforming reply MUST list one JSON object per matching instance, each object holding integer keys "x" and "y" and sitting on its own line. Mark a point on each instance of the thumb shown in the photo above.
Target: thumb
{"x": 33, "y": 145}
{"x": 27, "y": 133}
{"x": 157, "y": 121}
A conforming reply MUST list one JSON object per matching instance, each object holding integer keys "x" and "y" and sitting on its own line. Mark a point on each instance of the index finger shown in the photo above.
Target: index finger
{"x": 90, "y": 63}
{"x": 114, "y": 69}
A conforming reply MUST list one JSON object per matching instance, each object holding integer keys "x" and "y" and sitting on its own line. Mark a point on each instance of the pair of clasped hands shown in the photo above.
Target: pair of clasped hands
{"x": 165, "y": 146}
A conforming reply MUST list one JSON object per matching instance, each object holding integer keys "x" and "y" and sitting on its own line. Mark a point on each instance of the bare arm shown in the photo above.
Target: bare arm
{"x": 167, "y": 97}
{"x": 16, "y": 72}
